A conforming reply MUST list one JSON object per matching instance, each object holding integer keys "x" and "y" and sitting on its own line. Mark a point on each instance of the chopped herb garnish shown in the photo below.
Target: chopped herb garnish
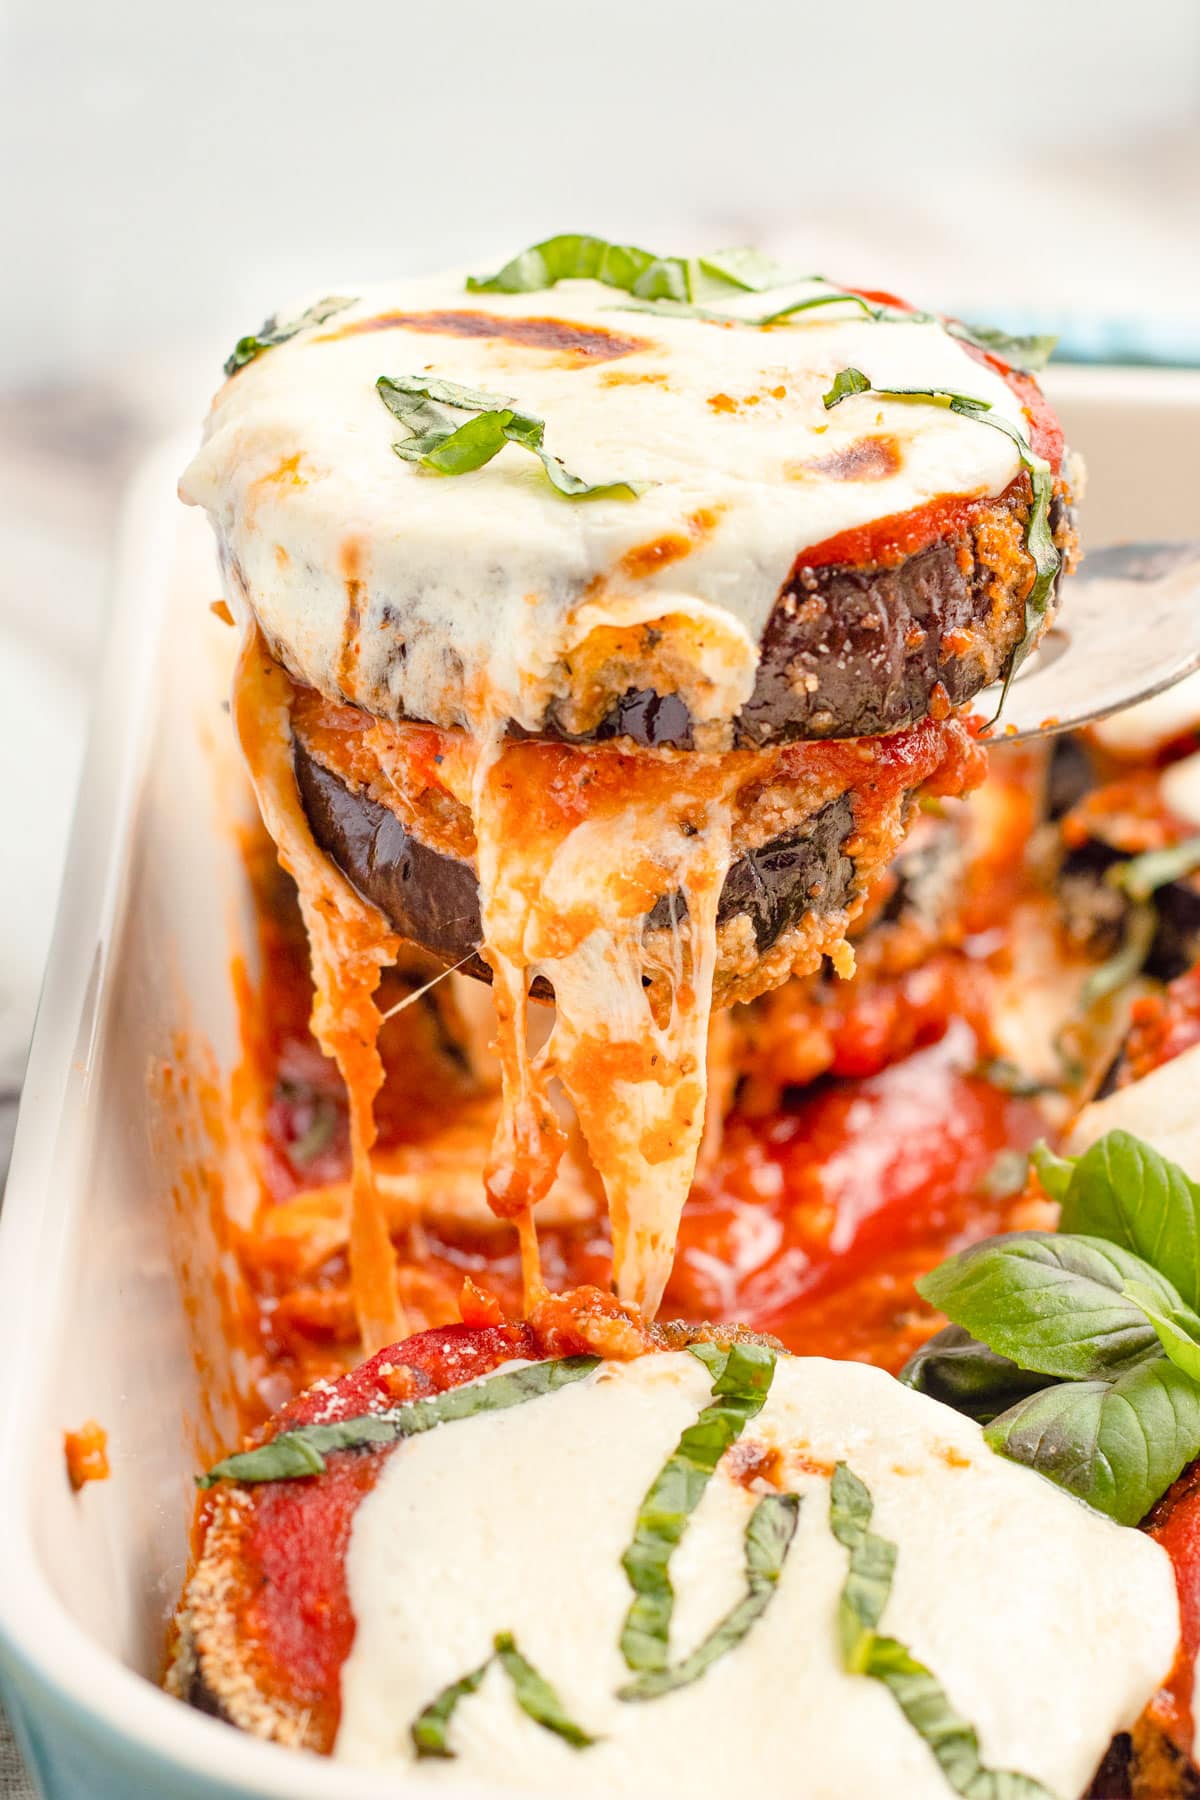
{"x": 1009, "y": 1078}
{"x": 1039, "y": 540}
{"x": 277, "y": 331}
{"x": 1027, "y": 353}
{"x": 1127, "y": 960}
{"x": 1143, "y": 875}
{"x": 769, "y": 1533}
{"x": 1103, "y": 1315}
{"x": 915, "y": 1689}
{"x": 448, "y": 447}
{"x": 302, "y": 1452}
{"x": 573, "y": 256}
{"x": 743, "y": 1377}
{"x": 532, "y": 1692}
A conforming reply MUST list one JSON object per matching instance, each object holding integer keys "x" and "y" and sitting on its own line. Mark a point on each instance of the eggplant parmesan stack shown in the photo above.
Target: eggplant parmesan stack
{"x": 603, "y": 618}
{"x": 704, "y": 1563}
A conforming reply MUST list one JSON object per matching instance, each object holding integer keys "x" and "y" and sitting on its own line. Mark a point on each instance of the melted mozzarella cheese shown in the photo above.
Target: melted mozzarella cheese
{"x": 1161, "y": 1108}
{"x": 567, "y": 899}
{"x": 1048, "y": 1626}
{"x": 1180, "y": 789}
{"x": 447, "y": 597}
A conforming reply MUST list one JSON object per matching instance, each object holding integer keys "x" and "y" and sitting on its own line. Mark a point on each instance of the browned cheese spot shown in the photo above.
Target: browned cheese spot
{"x": 867, "y": 459}
{"x": 579, "y": 344}
{"x": 647, "y": 559}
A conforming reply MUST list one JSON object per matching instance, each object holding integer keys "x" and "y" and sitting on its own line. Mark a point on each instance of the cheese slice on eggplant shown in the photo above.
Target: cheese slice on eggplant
{"x": 1047, "y": 1626}
{"x": 447, "y": 597}
{"x": 1163, "y": 1109}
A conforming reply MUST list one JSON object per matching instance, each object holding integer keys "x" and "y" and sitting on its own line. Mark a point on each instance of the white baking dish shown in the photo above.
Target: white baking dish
{"x": 93, "y": 1247}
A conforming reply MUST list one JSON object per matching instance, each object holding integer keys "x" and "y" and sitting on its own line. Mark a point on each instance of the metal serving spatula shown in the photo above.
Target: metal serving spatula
{"x": 1128, "y": 626}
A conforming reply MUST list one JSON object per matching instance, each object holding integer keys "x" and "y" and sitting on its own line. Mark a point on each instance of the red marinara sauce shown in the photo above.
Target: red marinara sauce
{"x": 291, "y": 1602}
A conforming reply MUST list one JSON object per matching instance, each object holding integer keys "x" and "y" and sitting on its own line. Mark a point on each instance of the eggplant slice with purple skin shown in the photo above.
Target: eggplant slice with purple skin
{"x": 432, "y": 898}
{"x": 859, "y": 652}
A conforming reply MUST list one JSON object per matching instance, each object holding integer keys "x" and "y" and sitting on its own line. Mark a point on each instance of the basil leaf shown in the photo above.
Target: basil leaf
{"x": 1178, "y": 1331}
{"x": 573, "y": 256}
{"x": 439, "y": 443}
{"x": 953, "y": 1742}
{"x": 1039, "y": 540}
{"x": 302, "y": 1451}
{"x": 958, "y": 1370}
{"x": 535, "y": 1696}
{"x": 1050, "y": 1302}
{"x": 1027, "y": 353}
{"x": 430, "y": 1729}
{"x": 868, "y": 1583}
{"x": 1121, "y": 1189}
{"x": 846, "y": 382}
{"x": 1118, "y": 1445}
{"x": 738, "y": 1394}
{"x": 1009, "y": 1078}
{"x": 319, "y": 1135}
{"x": 1054, "y": 1173}
{"x": 1126, "y": 963}
{"x": 748, "y": 269}
{"x": 769, "y": 1534}
{"x": 1143, "y": 875}
{"x": 952, "y": 1739}
{"x": 277, "y": 331}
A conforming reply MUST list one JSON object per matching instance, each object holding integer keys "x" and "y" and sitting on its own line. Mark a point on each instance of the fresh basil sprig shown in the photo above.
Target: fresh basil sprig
{"x": 430, "y": 1730}
{"x": 743, "y": 1376}
{"x": 277, "y": 331}
{"x": 1039, "y": 540}
{"x": 867, "y": 1651}
{"x": 440, "y": 443}
{"x": 302, "y": 1452}
{"x": 1101, "y": 1320}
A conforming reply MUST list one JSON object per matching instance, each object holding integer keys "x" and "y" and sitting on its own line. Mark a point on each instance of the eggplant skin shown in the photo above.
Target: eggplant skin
{"x": 853, "y": 651}
{"x": 432, "y": 898}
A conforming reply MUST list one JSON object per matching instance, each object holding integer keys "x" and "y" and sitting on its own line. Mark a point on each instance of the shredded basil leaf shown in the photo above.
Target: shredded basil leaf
{"x": 1039, "y": 540}
{"x": 440, "y": 443}
{"x": 769, "y": 1534}
{"x": 430, "y": 1729}
{"x": 739, "y": 1391}
{"x": 572, "y": 256}
{"x": 1143, "y": 875}
{"x": 1126, "y": 962}
{"x": 1027, "y": 353}
{"x": 303, "y": 1451}
{"x": 915, "y": 1689}
{"x": 277, "y": 331}
{"x": 536, "y": 1697}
